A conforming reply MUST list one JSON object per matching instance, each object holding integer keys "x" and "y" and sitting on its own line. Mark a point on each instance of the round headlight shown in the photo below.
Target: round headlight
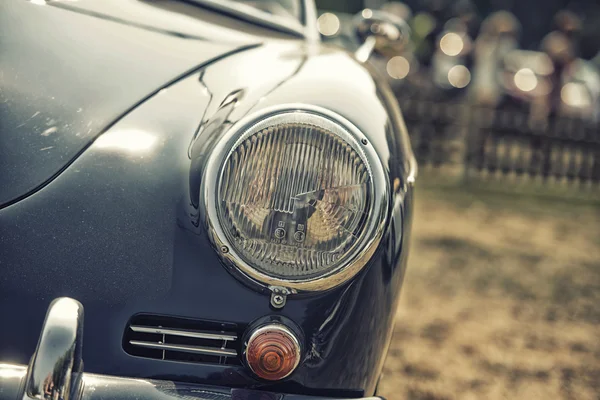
{"x": 298, "y": 197}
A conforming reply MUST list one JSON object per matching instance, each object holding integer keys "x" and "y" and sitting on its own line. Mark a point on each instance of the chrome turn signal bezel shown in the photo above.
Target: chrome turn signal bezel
{"x": 358, "y": 256}
{"x": 273, "y": 328}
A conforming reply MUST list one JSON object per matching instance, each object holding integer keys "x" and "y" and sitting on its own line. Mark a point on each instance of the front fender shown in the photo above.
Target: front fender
{"x": 118, "y": 231}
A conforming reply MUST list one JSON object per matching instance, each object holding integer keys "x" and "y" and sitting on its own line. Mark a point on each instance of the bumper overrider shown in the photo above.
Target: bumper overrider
{"x": 56, "y": 371}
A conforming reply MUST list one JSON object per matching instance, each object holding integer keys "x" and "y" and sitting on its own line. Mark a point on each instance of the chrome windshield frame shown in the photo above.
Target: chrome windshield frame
{"x": 305, "y": 28}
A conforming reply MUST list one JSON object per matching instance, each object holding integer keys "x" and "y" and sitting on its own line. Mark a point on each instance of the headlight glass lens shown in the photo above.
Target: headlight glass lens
{"x": 294, "y": 195}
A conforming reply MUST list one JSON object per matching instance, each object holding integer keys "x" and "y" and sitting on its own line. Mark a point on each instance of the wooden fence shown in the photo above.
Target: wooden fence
{"x": 474, "y": 143}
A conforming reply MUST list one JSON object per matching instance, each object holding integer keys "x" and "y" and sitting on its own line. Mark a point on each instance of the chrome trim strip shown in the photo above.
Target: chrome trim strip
{"x": 252, "y": 15}
{"x": 310, "y": 21}
{"x": 207, "y": 351}
{"x": 56, "y": 365}
{"x": 103, "y": 387}
{"x": 362, "y": 251}
{"x": 183, "y": 332}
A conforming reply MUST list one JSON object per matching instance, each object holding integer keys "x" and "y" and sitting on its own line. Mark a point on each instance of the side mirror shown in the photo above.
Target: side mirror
{"x": 381, "y": 32}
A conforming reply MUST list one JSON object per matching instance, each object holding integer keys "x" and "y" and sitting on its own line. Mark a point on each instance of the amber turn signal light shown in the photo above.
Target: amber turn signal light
{"x": 273, "y": 352}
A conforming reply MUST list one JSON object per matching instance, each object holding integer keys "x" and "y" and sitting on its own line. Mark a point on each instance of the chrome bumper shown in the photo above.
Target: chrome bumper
{"x": 56, "y": 371}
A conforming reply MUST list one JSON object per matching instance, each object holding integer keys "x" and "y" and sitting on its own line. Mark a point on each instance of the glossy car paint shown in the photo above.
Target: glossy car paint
{"x": 60, "y": 87}
{"x": 120, "y": 229}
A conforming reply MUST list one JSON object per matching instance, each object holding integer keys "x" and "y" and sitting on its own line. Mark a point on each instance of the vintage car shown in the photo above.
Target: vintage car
{"x": 229, "y": 199}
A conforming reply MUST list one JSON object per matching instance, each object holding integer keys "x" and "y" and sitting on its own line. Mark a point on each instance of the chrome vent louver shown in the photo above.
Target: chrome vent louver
{"x": 180, "y": 339}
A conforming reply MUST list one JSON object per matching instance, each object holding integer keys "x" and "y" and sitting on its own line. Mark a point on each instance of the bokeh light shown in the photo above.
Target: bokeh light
{"x": 459, "y": 76}
{"x": 328, "y": 24}
{"x": 575, "y": 94}
{"x": 452, "y": 44}
{"x": 525, "y": 80}
{"x": 423, "y": 24}
{"x": 398, "y": 67}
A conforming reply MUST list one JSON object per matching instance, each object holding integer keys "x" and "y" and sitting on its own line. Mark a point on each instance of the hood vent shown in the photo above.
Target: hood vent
{"x": 179, "y": 339}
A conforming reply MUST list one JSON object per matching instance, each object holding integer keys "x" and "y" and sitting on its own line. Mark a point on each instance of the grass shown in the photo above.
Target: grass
{"x": 501, "y": 300}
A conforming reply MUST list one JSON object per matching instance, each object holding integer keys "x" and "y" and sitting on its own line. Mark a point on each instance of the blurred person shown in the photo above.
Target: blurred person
{"x": 498, "y": 36}
{"x": 575, "y": 81}
{"x": 561, "y": 46}
{"x": 569, "y": 24}
{"x": 467, "y": 12}
{"x": 451, "y": 58}
{"x": 429, "y": 24}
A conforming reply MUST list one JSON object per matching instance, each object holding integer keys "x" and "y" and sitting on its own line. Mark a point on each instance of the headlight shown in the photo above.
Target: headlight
{"x": 296, "y": 198}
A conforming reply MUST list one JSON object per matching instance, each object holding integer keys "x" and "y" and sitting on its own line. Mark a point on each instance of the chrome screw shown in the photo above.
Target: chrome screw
{"x": 277, "y": 300}
{"x": 224, "y": 249}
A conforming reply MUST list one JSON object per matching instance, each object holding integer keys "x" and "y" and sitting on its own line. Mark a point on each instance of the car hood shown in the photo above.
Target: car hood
{"x": 65, "y": 77}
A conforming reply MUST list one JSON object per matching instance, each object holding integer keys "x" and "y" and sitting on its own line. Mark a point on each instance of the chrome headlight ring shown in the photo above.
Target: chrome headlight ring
{"x": 356, "y": 256}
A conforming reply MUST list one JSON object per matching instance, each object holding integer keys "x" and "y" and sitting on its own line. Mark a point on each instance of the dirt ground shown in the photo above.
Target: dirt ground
{"x": 501, "y": 300}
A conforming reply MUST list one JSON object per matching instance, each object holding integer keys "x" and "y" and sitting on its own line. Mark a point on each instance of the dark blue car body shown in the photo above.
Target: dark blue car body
{"x": 122, "y": 231}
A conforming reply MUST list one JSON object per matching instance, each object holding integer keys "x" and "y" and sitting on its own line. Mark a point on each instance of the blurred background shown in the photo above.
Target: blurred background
{"x": 501, "y": 98}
